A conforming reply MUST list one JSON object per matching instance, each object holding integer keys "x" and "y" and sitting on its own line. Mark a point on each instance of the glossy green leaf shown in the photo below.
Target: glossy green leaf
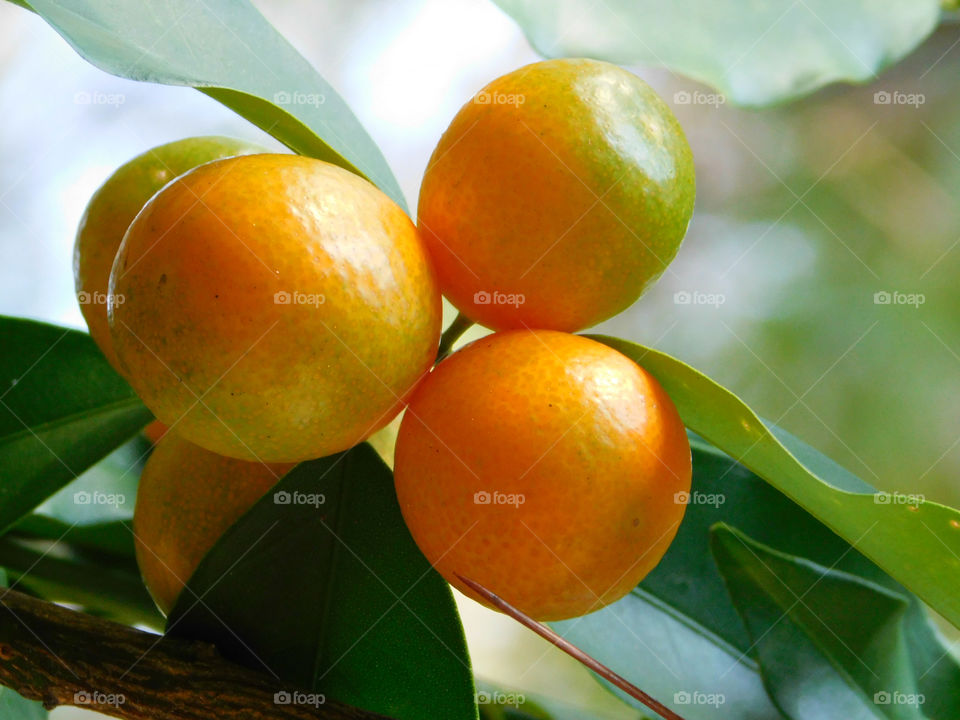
{"x": 830, "y": 644}
{"x": 102, "y": 585}
{"x": 321, "y": 584}
{"x": 917, "y": 543}
{"x": 754, "y": 53}
{"x": 228, "y": 50}
{"x": 689, "y": 582}
{"x": 62, "y": 408}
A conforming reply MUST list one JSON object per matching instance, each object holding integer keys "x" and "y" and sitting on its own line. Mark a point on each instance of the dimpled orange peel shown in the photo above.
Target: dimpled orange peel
{"x": 547, "y": 467}
{"x": 558, "y": 194}
{"x": 186, "y": 499}
{"x": 114, "y": 206}
{"x": 277, "y": 307}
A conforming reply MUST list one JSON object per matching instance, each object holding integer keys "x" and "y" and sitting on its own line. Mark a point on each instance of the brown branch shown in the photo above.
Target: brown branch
{"x": 62, "y": 657}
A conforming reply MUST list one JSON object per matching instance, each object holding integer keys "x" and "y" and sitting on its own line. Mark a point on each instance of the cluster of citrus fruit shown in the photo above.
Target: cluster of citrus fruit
{"x": 271, "y": 308}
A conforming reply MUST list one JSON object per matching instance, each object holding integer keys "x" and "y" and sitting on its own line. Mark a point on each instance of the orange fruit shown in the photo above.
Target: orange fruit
{"x": 114, "y": 206}
{"x": 558, "y": 194}
{"x": 155, "y": 431}
{"x": 547, "y": 467}
{"x": 187, "y": 498}
{"x": 277, "y": 307}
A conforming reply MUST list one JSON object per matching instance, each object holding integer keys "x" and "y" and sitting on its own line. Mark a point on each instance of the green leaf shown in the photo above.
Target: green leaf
{"x": 672, "y": 658}
{"x": 677, "y": 635}
{"x": 689, "y": 582}
{"x": 112, "y": 538}
{"x": 755, "y": 53}
{"x": 102, "y": 585}
{"x": 334, "y": 596}
{"x": 848, "y": 654}
{"x": 228, "y": 50}
{"x": 892, "y": 532}
{"x": 105, "y": 492}
{"x": 62, "y": 408}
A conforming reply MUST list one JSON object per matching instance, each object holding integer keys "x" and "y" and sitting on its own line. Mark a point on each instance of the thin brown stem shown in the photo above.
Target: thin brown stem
{"x": 572, "y": 650}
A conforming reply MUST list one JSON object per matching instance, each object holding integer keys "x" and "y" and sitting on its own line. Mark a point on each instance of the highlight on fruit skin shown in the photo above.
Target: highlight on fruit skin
{"x": 286, "y": 317}
{"x": 558, "y": 194}
{"x": 114, "y": 206}
{"x": 547, "y": 467}
{"x": 187, "y": 498}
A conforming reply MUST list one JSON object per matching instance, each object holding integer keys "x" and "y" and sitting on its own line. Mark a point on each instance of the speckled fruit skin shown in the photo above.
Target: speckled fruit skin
{"x": 585, "y": 437}
{"x": 567, "y": 184}
{"x": 114, "y": 206}
{"x": 278, "y": 308}
{"x": 187, "y": 498}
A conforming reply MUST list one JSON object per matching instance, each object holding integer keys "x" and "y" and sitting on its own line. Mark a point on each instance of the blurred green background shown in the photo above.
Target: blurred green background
{"x": 807, "y": 214}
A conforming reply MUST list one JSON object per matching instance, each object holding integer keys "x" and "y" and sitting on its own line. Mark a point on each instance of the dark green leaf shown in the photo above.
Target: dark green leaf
{"x": 228, "y": 50}
{"x": 689, "y": 582}
{"x": 892, "y": 530}
{"x": 113, "y": 539}
{"x": 62, "y": 408}
{"x": 830, "y": 644}
{"x": 755, "y": 53}
{"x": 102, "y": 585}
{"x": 334, "y": 596}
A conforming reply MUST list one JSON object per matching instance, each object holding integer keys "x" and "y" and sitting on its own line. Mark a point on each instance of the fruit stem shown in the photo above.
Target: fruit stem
{"x": 461, "y": 323}
{"x": 571, "y": 649}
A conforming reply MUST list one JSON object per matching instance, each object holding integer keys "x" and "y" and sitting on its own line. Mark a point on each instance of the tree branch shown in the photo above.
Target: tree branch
{"x": 62, "y": 657}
